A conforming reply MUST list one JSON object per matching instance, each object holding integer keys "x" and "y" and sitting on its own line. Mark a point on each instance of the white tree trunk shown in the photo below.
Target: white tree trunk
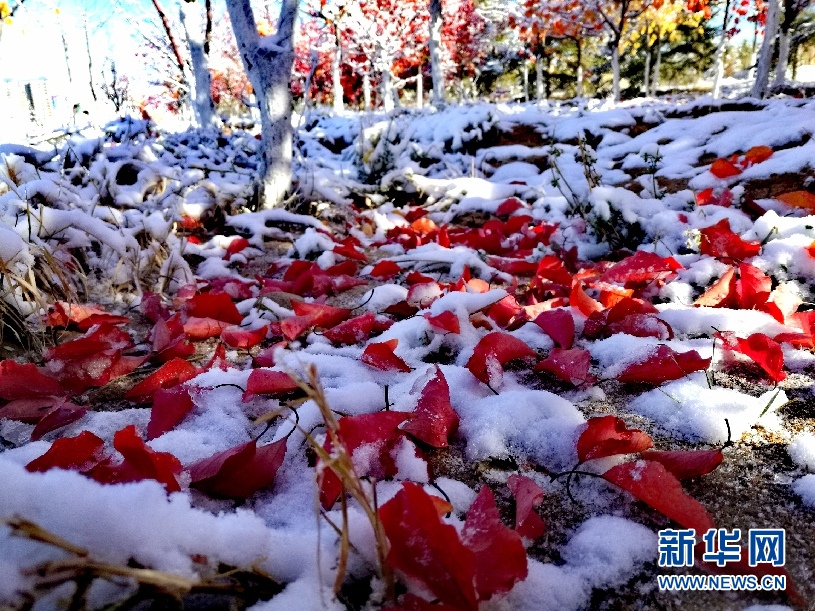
{"x": 657, "y": 65}
{"x": 268, "y": 63}
{"x": 419, "y": 89}
{"x": 192, "y": 19}
{"x": 615, "y": 69}
{"x": 539, "y": 78}
{"x": 525, "y": 71}
{"x": 647, "y": 71}
{"x": 387, "y": 91}
{"x": 765, "y": 56}
{"x": 436, "y": 68}
{"x": 718, "y": 58}
{"x": 336, "y": 74}
{"x": 366, "y": 90}
{"x": 579, "y": 73}
{"x": 783, "y": 58}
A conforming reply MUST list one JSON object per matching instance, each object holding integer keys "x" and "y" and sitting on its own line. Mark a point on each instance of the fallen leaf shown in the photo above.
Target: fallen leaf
{"x": 528, "y": 495}
{"x": 239, "y": 472}
{"x": 609, "y": 435}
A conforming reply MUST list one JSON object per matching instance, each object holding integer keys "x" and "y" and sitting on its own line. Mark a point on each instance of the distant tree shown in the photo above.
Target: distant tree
{"x": 792, "y": 10}
{"x": 115, "y": 87}
{"x": 7, "y": 10}
{"x": 767, "y": 46}
{"x": 268, "y": 61}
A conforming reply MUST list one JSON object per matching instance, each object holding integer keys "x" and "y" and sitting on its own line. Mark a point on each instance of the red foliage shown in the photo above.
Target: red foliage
{"x": 381, "y": 356}
{"x": 559, "y": 325}
{"x": 652, "y": 483}
{"x": 663, "y": 365}
{"x": 763, "y": 350}
{"x": 686, "y": 464}
{"x": 170, "y": 406}
{"x": 434, "y": 420}
{"x": 172, "y": 373}
{"x": 265, "y": 382}
{"x": 607, "y": 436}
{"x": 528, "y": 495}
{"x": 239, "y": 472}
{"x": 571, "y": 366}
{"x": 492, "y": 352}
{"x": 80, "y": 453}
{"x": 719, "y": 241}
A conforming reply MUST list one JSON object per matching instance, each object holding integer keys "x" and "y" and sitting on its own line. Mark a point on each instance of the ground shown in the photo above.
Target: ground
{"x": 442, "y": 231}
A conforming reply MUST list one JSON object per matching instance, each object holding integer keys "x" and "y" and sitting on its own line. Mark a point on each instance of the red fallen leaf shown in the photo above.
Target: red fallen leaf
{"x": 757, "y": 154}
{"x": 722, "y": 168}
{"x": 352, "y": 331}
{"x": 169, "y": 340}
{"x": 653, "y": 484}
{"x": 152, "y": 308}
{"x": 80, "y": 453}
{"x": 385, "y": 270}
{"x": 422, "y": 294}
{"x": 265, "y": 358}
{"x": 63, "y": 314}
{"x": 504, "y": 310}
{"x": 798, "y": 199}
{"x": 265, "y": 382}
{"x": 381, "y": 356}
{"x": 753, "y": 288}
{"x": 25, "y": 381}
{"x": 763, "y": 350}
{"x": 237, "y": 337}
{"x": 218, "y": 360}
{"x": 516, "y": 267}
{"x": 578, "y": 298}
{"x": 508, "y": 206}
{"x": 217, "y": 306}
{"x": 571, "y": 366}
{"x": 172, "y": 373}
{"x": 235, "y": 246}
{"x": 528, "y": 495}
{"x": 104, "y": 337}
{"x": 415, "y": 277}
{"x": 707, "y": 198}
{"x": 239, "y": 472}
{"x": 663, "y": 365}
{"x": 203, "y": 328}
{"x": 641, "y": 267}
{"x": 492, "y": 352}
{"x": 62, "y": 414}
{"x": 376, "y": 435}
{"x": 686, "y": 465}
{"x": 30, "y": 410}
{"x": 236, "y": 289}
{"x": 140, "y": 463}
{"x": 424, "y": 225}
{"x": 719, "y": 241}
{"x": 401, "y": 310}
{"x": 321, "y": 315}
{"x": 500, "y": 557}
{"x": 721, "y": 293}
{"x": 170, "y": 405}
{"x": 435, "y": 420}
{"x": 607, "y": 436}
{"x": 446, "y": 321}
{"x": 559, "y": 325}
{"x": 349, "y": 252}
{"x": 642, "y": 325}
{"x": 426, "y": 550}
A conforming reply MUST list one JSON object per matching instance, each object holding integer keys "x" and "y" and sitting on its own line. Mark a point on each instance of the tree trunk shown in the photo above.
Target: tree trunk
{"x": 539, "y": 77}
{"x": 766, "y": 54}
{"x": 579, "y": 73}
{"x": 615, "y": 69}
{"x": 647, "y": 71}
{"x": 200, "y": 87}
{"x": 783, "y": 58}
{"x": 387, "y": 91}
{"x": 718, "y": 58}
{"x": 67, "y": 58}
{"x": 336, "y": 74}
{"x": 657, "y": 65}
{"x": 268, "y": 64}
{"x": 419, "y": 89}
{"x": 436, "y": 68}
{"x": 525, "y": 72}
{"x": 366, "y": 90}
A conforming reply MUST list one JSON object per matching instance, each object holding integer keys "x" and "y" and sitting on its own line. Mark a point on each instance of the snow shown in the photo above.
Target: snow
{"x": 802, "y": 451}
{"x": 136, "y": 230}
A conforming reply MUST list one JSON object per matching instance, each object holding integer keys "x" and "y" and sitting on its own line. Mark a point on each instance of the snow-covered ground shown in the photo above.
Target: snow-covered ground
{"x": 541, "y": 265}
